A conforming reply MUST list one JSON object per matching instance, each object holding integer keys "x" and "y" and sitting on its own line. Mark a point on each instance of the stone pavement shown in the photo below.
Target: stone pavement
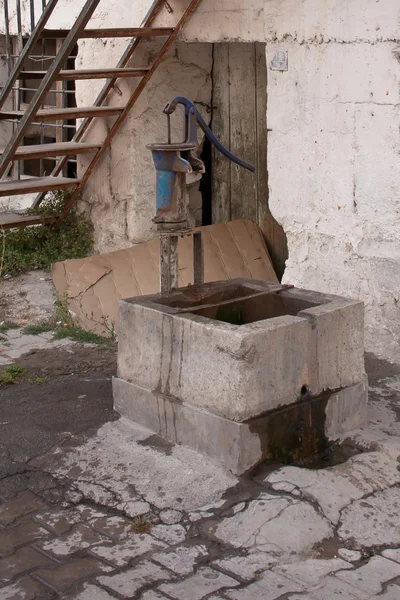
{"x": 15, "y": 343}
{"x": 122, "y": 514}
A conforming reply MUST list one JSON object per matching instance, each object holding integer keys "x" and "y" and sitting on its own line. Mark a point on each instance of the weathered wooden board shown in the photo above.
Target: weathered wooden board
{"x": 239, "y": 121}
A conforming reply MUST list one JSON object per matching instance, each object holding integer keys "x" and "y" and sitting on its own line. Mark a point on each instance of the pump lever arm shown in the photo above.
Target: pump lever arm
{"x": 193, "y": 115}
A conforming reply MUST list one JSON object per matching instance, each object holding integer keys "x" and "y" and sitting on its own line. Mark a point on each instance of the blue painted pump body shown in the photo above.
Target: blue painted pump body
{"x": 168, "y": 164}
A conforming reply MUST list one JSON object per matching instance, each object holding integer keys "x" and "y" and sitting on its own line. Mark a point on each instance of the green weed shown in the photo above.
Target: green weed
{"x": 79, "y": 335}
{"x": 12, "y": 374}
{"x": 39, "y": 328}
{"x": 39, "y": 380}
{"x": 38, "y": 247}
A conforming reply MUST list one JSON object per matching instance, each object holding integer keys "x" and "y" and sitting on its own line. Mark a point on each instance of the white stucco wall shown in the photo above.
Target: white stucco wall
{"x": 333, "y": 153}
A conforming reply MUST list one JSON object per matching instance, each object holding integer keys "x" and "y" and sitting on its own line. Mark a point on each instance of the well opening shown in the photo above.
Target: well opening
{"x": 237, "y": 305}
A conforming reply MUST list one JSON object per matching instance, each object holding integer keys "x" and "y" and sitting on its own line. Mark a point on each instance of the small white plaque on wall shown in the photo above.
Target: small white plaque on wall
{"x": 280, "y": 61}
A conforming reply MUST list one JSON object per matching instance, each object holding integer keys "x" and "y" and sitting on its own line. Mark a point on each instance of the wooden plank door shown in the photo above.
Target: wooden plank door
{"x": 239, "y": 122}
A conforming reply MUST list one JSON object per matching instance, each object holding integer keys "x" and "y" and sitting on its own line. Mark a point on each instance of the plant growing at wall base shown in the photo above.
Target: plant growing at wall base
{"x": 37, "y": 247}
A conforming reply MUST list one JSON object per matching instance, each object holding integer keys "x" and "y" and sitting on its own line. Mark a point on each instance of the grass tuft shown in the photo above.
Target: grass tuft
{"x": 12, "y": 374}
{"x": 79, "y": 335}
{"x": 39, "y": 328}
{"x": 141, "y": 525}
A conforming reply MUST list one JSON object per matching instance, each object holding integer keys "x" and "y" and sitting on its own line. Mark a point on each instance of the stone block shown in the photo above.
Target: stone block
{"x": 122, "y": 553}
{"x": 26, "y": 589}
{"x": 126, "y": 584}
{"x": 78, "y": 539}
{"x": 338, "y": 331}
{"x": 22, "y": 561}
{"x": 204, "y": 582}
{"x": 182, "y": 559}
{"x": 241, "y": 446}
{"x": 63, "y": 576}
{"x": 212, "y": 366}
{"x": 227, "y": 441}
{"x": 24, "y": 504}
{"x": 21, "y": 534}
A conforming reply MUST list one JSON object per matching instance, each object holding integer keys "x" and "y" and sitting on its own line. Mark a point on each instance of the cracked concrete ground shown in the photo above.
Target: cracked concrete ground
{"x": 93, "y": 507}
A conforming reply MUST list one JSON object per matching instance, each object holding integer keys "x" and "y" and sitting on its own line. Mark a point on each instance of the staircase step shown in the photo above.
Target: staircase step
{"x": 56, "y": 149}
{"x": 128, "y": 32}
{"x": 59, "y": 114}
{"x": 36, "y": 184}
{"x": 86, "y": 74}
{"x": 12, "y": 220}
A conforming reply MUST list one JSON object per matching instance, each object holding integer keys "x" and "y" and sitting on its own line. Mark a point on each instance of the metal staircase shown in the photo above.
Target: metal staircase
{"x": 34, "y": 112}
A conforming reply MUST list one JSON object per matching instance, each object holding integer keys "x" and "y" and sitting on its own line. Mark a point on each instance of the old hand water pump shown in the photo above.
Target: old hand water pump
{"x": 172, "y": 162}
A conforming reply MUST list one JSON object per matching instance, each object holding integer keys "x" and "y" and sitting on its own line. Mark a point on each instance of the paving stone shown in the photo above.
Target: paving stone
{"x": 170, "y": 517}
{"x": 336, "y": 487}
{"x": 243, "y": 528}
{"x": 24, "y": 559}
{"x": 91, "y": 592}
{"x": 284, "y": 486}
{"x": 153, "y": 595}
{"x": 312, "y": 571}
{"x": 246, "y": 567}
{"x": 21, "y": 534}
{"x": 63, "y": 576}
{"x": 121, "y": 554}
{"x": 87, "y": 512}
{"x": 373, "y": 521}
{"x": 129, "y": 582}
{"x": 116, "y": 528}
{"x": 24, "y": 504}
{"x": 80, "y": 538}
{"x": 204, "y": 582}
{"x": 134, "y": 508}
{"x": 393, "y": 554}
{"x": 391, "y": 593}
{"x": 349, "y": 555}
{"x": 275, "y": 523}
{"x": 171, "y": 534}
{"x": 25, "y": 589}
{"x": 333, "y": 588}
{"x": 59, "y": 521}
{"x": 269, "y": 587}
{"x": 181, "y": 560}
{"x": 371, "y": 576}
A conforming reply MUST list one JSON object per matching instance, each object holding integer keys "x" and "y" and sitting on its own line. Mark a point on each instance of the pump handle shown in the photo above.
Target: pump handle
{"x": 192, "y": 116}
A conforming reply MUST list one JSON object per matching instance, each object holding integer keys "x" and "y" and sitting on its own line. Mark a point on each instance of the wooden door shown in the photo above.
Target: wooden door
{"x": 239, "y": 122}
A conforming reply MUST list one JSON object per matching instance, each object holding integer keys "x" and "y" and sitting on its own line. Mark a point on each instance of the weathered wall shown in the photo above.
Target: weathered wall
{"x": 333, "y": 154}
